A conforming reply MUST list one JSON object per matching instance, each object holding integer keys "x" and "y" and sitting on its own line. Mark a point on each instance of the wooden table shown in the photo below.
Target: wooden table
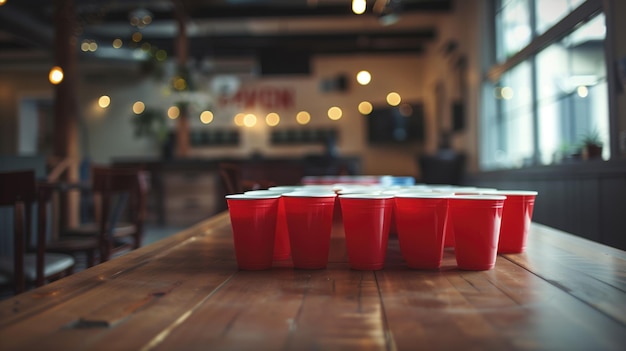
{"x": 185, "y": 293}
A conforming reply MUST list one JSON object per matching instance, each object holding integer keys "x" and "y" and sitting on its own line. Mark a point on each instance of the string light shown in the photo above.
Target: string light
{"x": 56, "y": 75}
{"x": 359, "y": 6}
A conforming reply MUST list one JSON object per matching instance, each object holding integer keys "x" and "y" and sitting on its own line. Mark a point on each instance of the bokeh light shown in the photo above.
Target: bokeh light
{"x": 173, "y": 112}
{"x": 206, "y": 117}
{"x": 56, "y": 75}
{"x": 249, "y": 120}
{"x": 139, "y": 107}
{"x": 365, "y": 107}
{"x": 394, "y": 99}
{"x": 272, "y": 119}
{"x": 104, "y": 101}
{"x": 303, "y": 117}
{"x": 364, "y": 77}
{"x": 334, "y": 113}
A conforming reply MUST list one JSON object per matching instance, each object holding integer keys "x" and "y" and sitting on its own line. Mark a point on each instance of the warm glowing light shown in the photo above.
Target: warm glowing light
{"x": 249, "y": 120}
{"x": 137, "y": 37}
{"x": 394, "y": 99}
{"x": 582, "y": 91}
{"x": 363, "y": 77}
{"x": 146, "y": 20}
{"x": 303, "y": 117}
{"x": 365, "y": 107}
{"x": 2, "y": 2}
{"x": 239, "y": 119}
{"x": 334, "y": 113}
{"x": 173, "y": 112}
{"x": 139, "y": 107}
{"x": 56, "y": 75}
{"x": 406, "y": 110}
{"x": 93, "y": 46}
{"x": 272, "y": 119}
{"x": 359, "y": 6}
{"x": 206, "y": 117}
{"x": 84, "y": 46}
{"x": 117, "y": 43}
{"x": 146, "y": 46}
{"x": 104, "y": 101}
{"x": 506, "y": 93}
{"x": 180, "y": 84}
{"x": 161, "y": 55}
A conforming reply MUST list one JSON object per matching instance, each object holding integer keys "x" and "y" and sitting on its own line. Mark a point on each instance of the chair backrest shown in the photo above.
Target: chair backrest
{"x": 121, "y": 191}
{"x": 19, "y": 190}
{"x": 232, "y": 177}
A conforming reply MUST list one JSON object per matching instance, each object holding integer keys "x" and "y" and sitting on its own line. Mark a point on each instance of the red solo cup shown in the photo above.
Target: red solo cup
{"x": 449, "y": 235}
{"x": 253, "y": 221}
{"x": 421, "y": 220}
{"x": 366, "y": 221}
{"x": 282, "y": 251}
{"x": 309, "y": 222}
{"x": 516, "y": 217}
{"x": 476, "y": 220}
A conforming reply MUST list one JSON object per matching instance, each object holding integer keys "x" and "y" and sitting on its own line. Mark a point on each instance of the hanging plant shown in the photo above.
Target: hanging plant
{"x": 151, "y": 124}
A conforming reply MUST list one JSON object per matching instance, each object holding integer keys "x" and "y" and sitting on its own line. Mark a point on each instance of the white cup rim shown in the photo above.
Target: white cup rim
{"x": 511, "y": 192}
{"x": 425, "y": 195}
{"x": 301, "y": 193}
{"x": 251, "y": 197}
{"x": 366, "y": 196}
{"x": 478, "y": 197}
{"x": 263, "y": 192}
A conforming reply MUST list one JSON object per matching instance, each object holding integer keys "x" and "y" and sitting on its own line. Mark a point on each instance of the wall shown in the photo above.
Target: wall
{"x": 110, "y": 132}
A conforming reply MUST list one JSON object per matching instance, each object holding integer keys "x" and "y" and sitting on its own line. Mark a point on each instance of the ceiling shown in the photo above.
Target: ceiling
{"x": 226, "y": 29}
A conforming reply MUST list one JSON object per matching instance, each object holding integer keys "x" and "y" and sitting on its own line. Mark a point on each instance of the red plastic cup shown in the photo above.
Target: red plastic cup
{"x": 282, "y": 251}
{"x": 253, "y": 221}
{"x": 366, "y": 221}
{"x": 476, "y": 220}
{"x": 516, "y": 217}
{"x": 421, "y": 220}
{"x": 309, "y": 221}
{"x": 449, "y": 236}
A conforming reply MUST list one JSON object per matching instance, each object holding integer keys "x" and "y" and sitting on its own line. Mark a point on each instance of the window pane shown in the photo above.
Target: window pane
{"x": 513, "y": 31}
{"x": 572, "y": 92}
{"x": 510, "y": 129}
{"x": 549, "y": 12}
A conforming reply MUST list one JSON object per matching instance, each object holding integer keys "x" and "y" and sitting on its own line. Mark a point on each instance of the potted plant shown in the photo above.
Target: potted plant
{"x": 592, "y": 145}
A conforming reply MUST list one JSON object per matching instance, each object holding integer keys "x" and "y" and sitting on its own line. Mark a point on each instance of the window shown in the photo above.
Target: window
{"x": 552, "y": 92}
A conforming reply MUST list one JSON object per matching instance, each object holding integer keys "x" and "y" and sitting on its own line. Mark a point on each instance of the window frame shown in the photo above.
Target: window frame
{"x": 584, "y": 12}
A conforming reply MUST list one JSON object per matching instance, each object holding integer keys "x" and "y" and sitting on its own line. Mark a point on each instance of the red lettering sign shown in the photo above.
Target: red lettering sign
{"x": 268, "y": 98}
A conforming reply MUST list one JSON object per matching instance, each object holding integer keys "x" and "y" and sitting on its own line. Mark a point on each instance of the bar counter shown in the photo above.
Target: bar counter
{"x": 186, "y": 293}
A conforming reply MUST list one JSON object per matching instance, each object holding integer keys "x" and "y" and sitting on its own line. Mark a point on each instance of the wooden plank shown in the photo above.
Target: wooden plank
{"x": 593, "y": 273}
{"x": 129, "y": 309}
{"x": 505, "y": 308}
{"x": 33, "y": 302}
{"x": 336, "y": 308}
{"x": 185, "y": 292}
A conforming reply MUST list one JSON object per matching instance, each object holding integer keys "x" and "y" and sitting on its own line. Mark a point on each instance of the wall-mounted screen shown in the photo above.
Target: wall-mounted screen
{"x": 394, "y": 125}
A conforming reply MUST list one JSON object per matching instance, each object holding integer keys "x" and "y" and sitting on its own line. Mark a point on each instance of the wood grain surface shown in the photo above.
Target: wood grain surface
{"x": 186, "y": 293}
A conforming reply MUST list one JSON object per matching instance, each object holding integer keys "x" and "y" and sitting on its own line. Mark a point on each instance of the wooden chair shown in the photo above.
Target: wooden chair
{"x": 236, "y": 181}
{"x": 19, "y": 190}
{"x": 231, "y": 177}
{"x": 120, "y": 196}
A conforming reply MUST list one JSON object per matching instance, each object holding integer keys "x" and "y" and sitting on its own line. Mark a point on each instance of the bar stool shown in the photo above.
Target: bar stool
{"x": 29, "y": 264}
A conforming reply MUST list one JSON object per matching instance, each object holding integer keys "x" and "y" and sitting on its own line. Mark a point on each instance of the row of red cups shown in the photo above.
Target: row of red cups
{"x": 274, "y": 225}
